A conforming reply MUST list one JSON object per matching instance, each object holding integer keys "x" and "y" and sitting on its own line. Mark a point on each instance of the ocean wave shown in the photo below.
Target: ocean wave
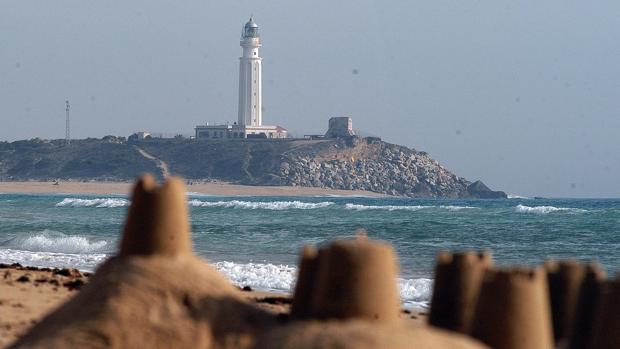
{"x": 253, "y": 205}
{"x": 511, "y": 196}
{"x": 547, "y": 209}
{"x": 357, "y": 207}
{"x": 270, "y": 277}
{"x": 281, "y": 278}
{"x": 85, "y": 262}
{"x": 416, "y": 292}
{"x": 98, "y": 202}
{"x": 51, "y": 241}
{"x": 457, "y": 208}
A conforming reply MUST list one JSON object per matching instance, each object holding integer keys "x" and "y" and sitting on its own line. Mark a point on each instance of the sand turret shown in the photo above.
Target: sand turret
{"x": 458, "y": 277}
{"x": 606, "y": 332}
{"x": 565, "y": 279}
{"x": 589, "y": 301}
{"x": 157, "y": 222}
{"x": 306, "y": 282}
{"x": 348, "y": 279}
{"x": 514, "y": 311}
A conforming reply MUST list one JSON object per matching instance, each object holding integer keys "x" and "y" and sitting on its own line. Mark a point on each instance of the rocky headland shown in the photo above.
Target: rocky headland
{"x": 349, "y": 163}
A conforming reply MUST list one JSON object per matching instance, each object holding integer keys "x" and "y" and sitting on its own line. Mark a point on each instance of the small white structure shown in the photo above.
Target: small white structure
{"x": 139, "y": 136}
{"x": 250, "y": 117}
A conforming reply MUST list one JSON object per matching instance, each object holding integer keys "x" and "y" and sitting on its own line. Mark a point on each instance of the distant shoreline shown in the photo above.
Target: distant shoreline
{"x": 214, "y": 188}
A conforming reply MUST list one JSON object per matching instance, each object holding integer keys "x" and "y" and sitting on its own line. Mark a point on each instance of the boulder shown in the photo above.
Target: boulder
{"x": 481, "y": 191}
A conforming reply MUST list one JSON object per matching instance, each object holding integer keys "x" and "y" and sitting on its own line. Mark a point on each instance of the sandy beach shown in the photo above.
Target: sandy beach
{"x": 27, "y": 294}
{"x": 212, "y": 188}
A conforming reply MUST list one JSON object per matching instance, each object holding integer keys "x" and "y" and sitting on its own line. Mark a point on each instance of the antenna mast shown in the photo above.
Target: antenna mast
{"x": 67, "y": 125}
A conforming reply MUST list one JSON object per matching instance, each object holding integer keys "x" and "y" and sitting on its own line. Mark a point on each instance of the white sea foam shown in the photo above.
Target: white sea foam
{"x": 271, "y": 205}
{"x": 66, "y": 244}
{"x": 511, "y": 196}
{"x": 98, "y": 202}
{"x": 51, "y": 241}
{"x": 54, "y": 249}
{"x": 416, "y": 292}
{"x": 457, "y": 208}
{"x": 86, "y": 262}
{"x": 547, "y": 209}
{"x": 281, "y": 278}
{"x": 357, "y": 207}
{"x": 270, "y": 277}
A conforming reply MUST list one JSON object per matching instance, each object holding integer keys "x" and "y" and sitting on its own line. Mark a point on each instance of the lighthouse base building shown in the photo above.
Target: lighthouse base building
{"x": 239, "y": 131}
{"x": 250, "y": 118}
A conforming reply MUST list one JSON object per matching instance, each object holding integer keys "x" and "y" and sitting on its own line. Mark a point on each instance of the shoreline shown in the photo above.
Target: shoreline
{"x": 213, "y": 188}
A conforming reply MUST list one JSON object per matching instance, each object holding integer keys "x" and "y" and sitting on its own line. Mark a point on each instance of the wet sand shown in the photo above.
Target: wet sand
{"x": 211, "y": 188}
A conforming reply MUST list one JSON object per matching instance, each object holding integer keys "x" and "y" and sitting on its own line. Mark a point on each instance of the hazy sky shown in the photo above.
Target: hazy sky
{"x": 523, "y": 95}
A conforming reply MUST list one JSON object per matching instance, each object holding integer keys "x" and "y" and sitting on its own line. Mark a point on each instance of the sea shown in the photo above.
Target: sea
{"x": 255, "y": 241}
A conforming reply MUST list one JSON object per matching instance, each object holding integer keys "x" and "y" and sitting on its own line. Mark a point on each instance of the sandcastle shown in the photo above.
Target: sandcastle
{"x": 157, "y": 294}
{"x": 351, "y": 279}
{"x": 606, "y": 331}
{"x": 565, "y": 279}
{"x": 458, "y": 277}
{"x": 574, "y": 291}
{"x": 590, "y": 294}
{"x": 513, "y": 311}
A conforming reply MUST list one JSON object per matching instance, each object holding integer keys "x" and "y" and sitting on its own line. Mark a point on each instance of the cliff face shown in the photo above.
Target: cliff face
{"x": 374, "y": 166}
{"x": 352, "y": 163}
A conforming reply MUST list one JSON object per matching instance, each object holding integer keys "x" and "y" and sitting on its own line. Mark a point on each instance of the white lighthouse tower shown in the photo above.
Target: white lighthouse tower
{"x": 250, "y": 117}
{"x": 250, "y": 89}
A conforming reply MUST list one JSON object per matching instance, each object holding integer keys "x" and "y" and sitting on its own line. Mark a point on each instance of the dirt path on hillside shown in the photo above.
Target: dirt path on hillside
{"x": 158, "y": 162}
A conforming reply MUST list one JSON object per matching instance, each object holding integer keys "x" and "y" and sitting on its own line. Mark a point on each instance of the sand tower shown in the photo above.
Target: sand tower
{"x": 157, "y": 220}
{"x": 514, "y": 310}
{"x": 565, "y": 279}
{"x": 606, "y": 332}
{"x": 348, "y": 279}
{"x": 589, "y": 300}
{"x": 458, "y": 277}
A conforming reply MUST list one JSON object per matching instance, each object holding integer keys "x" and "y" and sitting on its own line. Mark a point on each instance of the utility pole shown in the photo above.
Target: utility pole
{"x": 67, "y": 125}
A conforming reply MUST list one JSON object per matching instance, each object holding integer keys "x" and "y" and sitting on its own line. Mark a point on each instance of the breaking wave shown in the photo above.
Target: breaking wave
{"x": 50, "y": 241}
{"x": 270, "y": 277}
{"x": 386, "y": 207}
{"x": 416, "y": 292}
{"x": 402, "y": 208}
{"x": 85, "y": 262}
{"x": 98, "y": 202}
{"x": 253, "y": 205}
{"x": 55, "y": 250}
{"x": 281, "y": 278}
{"x": 547, "y": 209}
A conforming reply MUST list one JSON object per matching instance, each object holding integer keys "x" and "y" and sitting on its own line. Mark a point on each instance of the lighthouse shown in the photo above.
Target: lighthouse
{"x": 249, "y": 122}
{"x": 250, "y": 74}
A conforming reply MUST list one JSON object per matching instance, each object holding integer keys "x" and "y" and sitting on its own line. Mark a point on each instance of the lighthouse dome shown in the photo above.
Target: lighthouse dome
{"x": 250, "y": 29}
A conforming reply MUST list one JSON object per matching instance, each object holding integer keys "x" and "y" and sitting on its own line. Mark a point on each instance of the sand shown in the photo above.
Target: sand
{"x": 24, "y": 303}
{"x": 212, "y": 188}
